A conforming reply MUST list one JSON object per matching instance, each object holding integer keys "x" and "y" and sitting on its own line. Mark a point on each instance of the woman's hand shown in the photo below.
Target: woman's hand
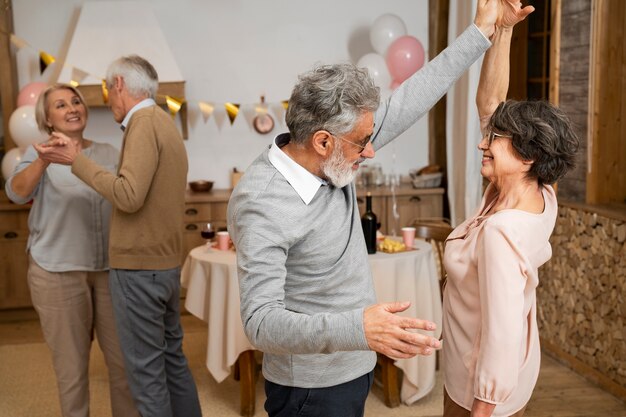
{"x": 481, "y": 408}
{"x": 499, "y": 13}
{"x": 511, "y": 13}
{"x": 59, "y": 149}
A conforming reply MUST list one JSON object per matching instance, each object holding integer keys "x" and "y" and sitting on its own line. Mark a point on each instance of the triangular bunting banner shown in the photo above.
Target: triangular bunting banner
{"x": 105, "y": 92}
{"x": 232, "y": 109}
{"x": 45, "y": 59}
{"x": 19, "y": 43}
{"x": 173, "y": 104}
{"x": 206, "y": 109}
{"x": 77, "y": 76}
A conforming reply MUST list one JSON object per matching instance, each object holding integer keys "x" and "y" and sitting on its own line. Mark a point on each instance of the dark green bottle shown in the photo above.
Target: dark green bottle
{"x": 368, "y": 222}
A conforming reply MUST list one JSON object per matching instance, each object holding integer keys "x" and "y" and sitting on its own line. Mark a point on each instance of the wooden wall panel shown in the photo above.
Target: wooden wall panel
{"x": 573, "y": 90}
{"x": 8, "y": 71}
{"x": 606, "y": 177}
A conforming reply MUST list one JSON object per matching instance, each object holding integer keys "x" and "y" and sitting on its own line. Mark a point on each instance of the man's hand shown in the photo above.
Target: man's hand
{"x": 501, "y": 13}
{"x": 58, "y": 149}
{"x": 388, "y": 333}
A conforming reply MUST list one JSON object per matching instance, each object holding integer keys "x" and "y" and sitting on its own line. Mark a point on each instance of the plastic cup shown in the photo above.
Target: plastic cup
{"x": 223, "y": 240}
{"x": 408, "y": 236}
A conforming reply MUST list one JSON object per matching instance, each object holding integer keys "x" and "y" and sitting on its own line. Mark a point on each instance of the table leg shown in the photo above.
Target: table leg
{"x": 247, "y": 378}
{"x": 389, "y": 376}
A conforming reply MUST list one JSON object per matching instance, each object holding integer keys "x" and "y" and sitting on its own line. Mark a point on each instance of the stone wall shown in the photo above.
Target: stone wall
{"x": 581, "y": 295}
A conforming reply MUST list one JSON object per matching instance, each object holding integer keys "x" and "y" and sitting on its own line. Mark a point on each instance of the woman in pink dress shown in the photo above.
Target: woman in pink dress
{"x": 491, "y": 353}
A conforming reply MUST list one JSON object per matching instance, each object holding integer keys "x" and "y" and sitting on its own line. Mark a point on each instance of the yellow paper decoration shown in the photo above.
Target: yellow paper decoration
{"x": 285, "y": 104}
{"x": 206, "y": 109}
{"x": 77, "y": 77}
{"x": 232, "y": 109}
{"x": 105, "y": 92}
{"x": 173, "y": 104}
{"x": 19, "y": 43}
{"x": 45, "y": 59}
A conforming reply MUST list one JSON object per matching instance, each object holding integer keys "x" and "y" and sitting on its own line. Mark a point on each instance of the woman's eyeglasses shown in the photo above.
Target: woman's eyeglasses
{"x": 493, "y": 135}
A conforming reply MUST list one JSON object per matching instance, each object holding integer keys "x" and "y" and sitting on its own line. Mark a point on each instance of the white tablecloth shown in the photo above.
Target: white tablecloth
{"x": 210, "y": 277}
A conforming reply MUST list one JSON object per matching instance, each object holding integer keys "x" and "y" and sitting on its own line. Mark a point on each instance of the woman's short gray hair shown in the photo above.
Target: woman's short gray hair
{"x": 540, "y": 132}
{"x": 332, "y": 98}
{"x": 41, "y": 107}
{"x": 140, "y": 77}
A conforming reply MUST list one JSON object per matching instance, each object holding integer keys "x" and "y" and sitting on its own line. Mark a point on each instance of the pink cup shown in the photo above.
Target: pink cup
{"x": 223, "y": 240}
{"x": 408, "y": 236}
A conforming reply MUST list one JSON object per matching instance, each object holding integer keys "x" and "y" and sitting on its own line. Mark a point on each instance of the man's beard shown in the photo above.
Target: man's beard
{"x": 338, "y": 170}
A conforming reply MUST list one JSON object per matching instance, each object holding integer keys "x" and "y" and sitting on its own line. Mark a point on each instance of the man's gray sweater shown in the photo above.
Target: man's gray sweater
{"x": 304, "y": 276}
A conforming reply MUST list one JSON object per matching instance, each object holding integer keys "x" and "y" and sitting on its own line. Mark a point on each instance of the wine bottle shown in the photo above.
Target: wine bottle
{"x": 368, "y": 222}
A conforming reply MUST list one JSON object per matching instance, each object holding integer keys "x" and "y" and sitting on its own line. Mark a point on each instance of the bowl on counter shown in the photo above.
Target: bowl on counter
{"x": 201, "y": 186}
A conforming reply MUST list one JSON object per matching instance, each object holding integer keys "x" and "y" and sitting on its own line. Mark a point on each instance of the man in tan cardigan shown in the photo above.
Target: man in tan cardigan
{"x": 145, "y": 244}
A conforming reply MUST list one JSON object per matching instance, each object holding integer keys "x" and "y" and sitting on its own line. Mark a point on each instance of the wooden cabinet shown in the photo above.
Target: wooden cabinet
{"x": 402, "y": 207}
{"x": 14, "y": 291}
{"x": 202, "y": 208}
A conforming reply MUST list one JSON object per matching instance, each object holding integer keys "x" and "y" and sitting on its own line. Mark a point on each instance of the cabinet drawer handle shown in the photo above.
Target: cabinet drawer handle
{"x": 360, "y": 200}
{"x": 191, "y": 227}
{"x": 415, "y": 199}
{"x": 10, "y": 235}
{"x": 191, "y": 211}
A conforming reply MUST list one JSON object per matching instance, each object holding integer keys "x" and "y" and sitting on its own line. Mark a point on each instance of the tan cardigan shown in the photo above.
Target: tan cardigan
{"x": 147, "y": 194}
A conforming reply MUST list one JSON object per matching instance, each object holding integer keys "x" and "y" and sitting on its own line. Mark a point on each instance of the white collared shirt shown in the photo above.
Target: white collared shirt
{"x": 302, "y": 181}
{"x": 143, "y": 103}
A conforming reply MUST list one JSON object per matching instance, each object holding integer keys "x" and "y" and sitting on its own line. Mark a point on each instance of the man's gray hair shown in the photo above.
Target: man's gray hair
{"x": 140, "y": 77}
{"x": 331, "y": 98}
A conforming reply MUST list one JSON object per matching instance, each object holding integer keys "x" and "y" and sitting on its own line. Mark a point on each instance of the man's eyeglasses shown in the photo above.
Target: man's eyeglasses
{"x": 360, "y": 146}
{"x": 493, "y": 135}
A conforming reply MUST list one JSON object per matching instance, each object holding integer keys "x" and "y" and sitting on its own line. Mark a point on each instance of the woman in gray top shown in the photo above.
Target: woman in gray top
{"x": 68, "y": 262}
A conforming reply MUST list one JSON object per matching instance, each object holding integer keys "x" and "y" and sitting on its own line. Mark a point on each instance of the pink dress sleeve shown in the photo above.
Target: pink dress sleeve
{"x": 502, "y": 282}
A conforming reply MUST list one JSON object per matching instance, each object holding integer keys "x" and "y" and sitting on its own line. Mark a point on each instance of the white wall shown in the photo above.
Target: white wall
{"x": 235, "y": 51}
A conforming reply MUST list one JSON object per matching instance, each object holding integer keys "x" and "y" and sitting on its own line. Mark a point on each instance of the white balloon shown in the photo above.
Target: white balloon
{"x": 10, "y": 161}
{"x": 377, "y": 67}
{"x": 23, "y": 127}
{"x": 386, "y": 29}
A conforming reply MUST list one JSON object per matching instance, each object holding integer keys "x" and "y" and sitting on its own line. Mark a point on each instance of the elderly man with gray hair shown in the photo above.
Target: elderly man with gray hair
{"x": 145, "y": 245}
{"x": 307, "y": 298}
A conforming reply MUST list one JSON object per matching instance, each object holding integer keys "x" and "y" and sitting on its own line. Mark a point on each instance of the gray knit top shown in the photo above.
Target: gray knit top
{"x": 304, "y": 276}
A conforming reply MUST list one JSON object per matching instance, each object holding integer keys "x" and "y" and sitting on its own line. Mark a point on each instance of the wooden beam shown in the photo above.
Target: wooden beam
{"x": 555, "y": 51}
{"x": 437, "y": 42}
{"x": 438, "y": 12}
{"x": 8, "y": 70}
{"x": 606, "y": 167}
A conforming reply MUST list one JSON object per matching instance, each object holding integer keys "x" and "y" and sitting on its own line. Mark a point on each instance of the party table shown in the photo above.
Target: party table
{"x": 210, "y": 277}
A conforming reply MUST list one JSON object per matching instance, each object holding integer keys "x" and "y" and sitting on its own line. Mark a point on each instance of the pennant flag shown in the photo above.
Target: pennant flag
{"x": 105, "y": 92}
{"x": 206, "y": 109}
{"x": 232, "y": 109}
{"x": 77, "y": 76}
{"x": 45, "y": 59}
{"x": 173, "y": 104}
{"x": 279, "y": 111}
{"x": 19, "y": 43}
{"x": 261, "y": 108}
{"x": 285, "y": 104}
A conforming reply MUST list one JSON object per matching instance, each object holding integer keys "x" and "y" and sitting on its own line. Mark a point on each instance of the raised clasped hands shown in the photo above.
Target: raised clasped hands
{"x": 391, "y": 335}
{"x": 499, "y": 13}
{"x": 58, "y": 149}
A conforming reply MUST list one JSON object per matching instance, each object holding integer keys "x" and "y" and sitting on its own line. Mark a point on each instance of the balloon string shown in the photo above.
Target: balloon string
{"x": 395, "y": 181}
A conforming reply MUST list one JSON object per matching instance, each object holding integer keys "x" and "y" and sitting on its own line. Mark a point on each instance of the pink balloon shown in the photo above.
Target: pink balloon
{"x": 395, "y": 84}
{"x": 404, "y": 56}
{"x": 29, "y": 93}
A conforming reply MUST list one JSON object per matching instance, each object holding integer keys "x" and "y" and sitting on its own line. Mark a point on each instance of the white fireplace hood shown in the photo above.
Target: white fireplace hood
{"x": 107, "y": 30}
